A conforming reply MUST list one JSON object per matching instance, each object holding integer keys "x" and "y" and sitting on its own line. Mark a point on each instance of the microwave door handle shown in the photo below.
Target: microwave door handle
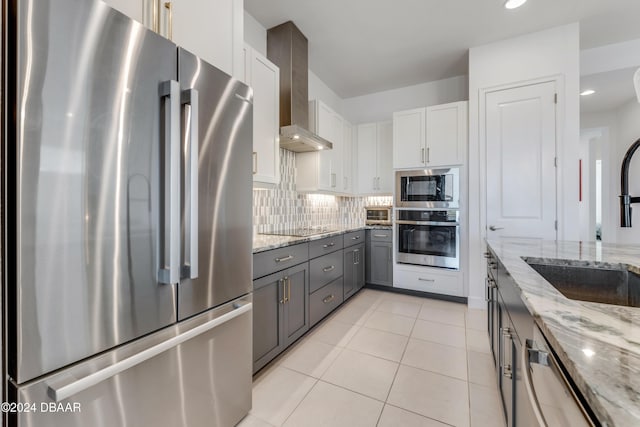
{"x": 190, "y": 99}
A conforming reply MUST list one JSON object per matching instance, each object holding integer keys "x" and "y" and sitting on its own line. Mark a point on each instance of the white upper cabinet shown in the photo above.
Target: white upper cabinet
{"x": 447, "y": 134}
{"x": 264, "y": 77}
{"x": 409, "y": 138}
{"x": 322, "y": 170}
{"x": 374, "y": 148}
{"x": 348, "y": 167}
{"x": 431, "y": 136}
{"x": 211, "y": 29}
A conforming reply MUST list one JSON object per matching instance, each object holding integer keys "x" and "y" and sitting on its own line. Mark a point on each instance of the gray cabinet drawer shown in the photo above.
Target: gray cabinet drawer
{"x": 353, "y": 238}
{"x": 325, "y": 300}
{"x": 325, "y": 269}
{"x": 325, "y": 246}
{"x": 381, "y": 235}
{"x": 278, "y": 259}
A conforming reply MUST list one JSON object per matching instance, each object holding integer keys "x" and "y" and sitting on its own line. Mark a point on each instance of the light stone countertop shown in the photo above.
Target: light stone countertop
{"x": 265, "y": 242}
{"x": 609, "y": 379}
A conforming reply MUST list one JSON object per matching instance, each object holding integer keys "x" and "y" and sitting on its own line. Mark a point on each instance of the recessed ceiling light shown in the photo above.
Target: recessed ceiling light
{"x": 512, "y": 4}
{"x": 587, "y": 92}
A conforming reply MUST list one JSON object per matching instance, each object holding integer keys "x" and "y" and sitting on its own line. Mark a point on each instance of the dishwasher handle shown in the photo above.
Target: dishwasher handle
{"x": 527, "y": 352}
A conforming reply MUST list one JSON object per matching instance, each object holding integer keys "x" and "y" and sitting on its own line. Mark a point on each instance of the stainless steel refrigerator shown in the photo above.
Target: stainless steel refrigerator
{"x": 127, "y": 224}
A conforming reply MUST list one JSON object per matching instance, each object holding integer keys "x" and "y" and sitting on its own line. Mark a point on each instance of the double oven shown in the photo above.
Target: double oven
{"x": 427, "y": 226}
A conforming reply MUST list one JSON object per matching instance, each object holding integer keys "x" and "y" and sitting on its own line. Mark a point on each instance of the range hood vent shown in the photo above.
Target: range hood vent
{"x": 287, "y": 47}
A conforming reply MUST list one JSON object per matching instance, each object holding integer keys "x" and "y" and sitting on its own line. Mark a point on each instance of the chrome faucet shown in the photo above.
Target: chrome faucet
{"x": 625, "y": 199}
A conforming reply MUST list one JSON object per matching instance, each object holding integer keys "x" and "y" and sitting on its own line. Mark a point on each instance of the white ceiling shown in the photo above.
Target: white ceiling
{"x": 363, "y": 46}
{"x": 613, "y": 89}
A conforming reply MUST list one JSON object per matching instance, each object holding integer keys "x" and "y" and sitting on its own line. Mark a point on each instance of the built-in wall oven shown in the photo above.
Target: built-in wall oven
{"x": 428, "y": 188}
{"x": 428, "y": 237}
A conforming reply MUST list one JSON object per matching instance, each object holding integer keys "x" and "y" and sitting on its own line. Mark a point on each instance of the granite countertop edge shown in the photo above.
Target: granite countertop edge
{"x": 606, "y": 379}
{"x": 265, "y": 242}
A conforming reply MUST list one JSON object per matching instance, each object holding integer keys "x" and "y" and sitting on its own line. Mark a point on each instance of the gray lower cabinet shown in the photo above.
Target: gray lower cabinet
{"x": 280, "y": 312}
{"x": 354, "y": 259}
{"x": 379, "y": 256}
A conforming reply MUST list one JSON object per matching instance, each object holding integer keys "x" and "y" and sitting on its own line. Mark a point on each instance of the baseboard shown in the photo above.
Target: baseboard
{"x": 451, "y": 298}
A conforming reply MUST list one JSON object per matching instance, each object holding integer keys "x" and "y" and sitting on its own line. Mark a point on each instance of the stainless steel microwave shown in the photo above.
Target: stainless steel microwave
{"x": 378, "y": 215}
{"x": 428, "y": 188}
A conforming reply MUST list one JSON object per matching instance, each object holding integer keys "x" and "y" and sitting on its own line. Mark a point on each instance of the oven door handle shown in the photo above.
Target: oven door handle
{"x": 453, "y": 224}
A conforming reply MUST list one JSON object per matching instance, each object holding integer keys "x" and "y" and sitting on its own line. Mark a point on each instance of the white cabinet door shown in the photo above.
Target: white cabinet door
{"x": 347, "y": 158}
{"x": 367, "y": 158}
{"x": 521, "y": 176}
{"x": 264, "y": 77}
{"x": 211, "y": 29}
{"x": 409, "y": 138}
{"x": 322, "y": 170}
{"x": 132, "y": 8}
{"x": 446, "y": 134}
{"x": 384, "y": 152}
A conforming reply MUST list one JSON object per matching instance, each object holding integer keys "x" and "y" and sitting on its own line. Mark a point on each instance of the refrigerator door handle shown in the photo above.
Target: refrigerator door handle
{"x": 169, "y": 256}
{"x": 191, "y": 144}
{"x": 66, "y": 391}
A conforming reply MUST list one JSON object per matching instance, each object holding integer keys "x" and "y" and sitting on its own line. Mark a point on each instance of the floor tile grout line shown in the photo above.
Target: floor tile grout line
{"x": 440, "y": 343}
{"x": 420, "y": 415}
{"x": 434, "y": 372}
{"x": 301, "y": 400}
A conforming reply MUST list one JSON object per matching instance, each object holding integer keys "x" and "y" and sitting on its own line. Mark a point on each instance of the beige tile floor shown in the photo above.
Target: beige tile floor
{"x": 385, "y": 360}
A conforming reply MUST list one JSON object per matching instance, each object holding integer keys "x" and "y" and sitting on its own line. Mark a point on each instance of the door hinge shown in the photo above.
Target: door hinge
{"x": 555, "y": 98}
{"x": 555, "y": 162}
{"x": 555, "y": 224}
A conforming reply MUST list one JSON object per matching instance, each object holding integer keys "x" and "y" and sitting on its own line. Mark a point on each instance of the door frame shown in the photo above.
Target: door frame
{"x": 558, "y": 81}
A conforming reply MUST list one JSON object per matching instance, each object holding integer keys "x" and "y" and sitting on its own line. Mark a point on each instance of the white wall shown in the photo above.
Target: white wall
{"x": 610, "y": 57}
{"x": 319, "y": 90}
{"x": 552, "y": 53}
{"x": 628, "y": 132}
{"x": 255, "y": 35}
{"x": 381, "y": 105}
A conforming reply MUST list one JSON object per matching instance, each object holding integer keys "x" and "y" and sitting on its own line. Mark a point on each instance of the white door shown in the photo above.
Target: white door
{"x": 521, "y": 151}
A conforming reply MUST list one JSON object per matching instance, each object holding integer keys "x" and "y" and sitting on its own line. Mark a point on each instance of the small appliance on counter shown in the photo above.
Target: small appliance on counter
{"x": 378, "y": 215}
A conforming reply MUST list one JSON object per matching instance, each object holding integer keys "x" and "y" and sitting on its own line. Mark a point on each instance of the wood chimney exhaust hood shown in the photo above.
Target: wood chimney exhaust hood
{"x": 287, "y": 47}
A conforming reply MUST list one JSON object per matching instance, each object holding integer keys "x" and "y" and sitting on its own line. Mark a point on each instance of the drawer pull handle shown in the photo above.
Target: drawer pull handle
{"x": 328, "y": 299}
{"x": 329, "y": 245}
{"x": 425, "y": 280}
{"x": 286, "y": 258}
{"x": 327, "y": 269}
{"x": 380, "y": 235}
{"x": 355, "y": 238}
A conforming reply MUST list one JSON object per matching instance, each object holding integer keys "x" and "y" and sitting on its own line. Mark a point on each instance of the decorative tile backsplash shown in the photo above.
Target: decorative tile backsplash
{"x": 283, "y": 208}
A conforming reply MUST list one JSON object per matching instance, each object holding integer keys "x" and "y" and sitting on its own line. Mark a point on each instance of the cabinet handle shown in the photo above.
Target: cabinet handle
{"x": 281, "y": 282}
{"x": 331, "y": 267}
{"x": 422, "y": 156}
{"x": 355, "y": 238}
{"x": 525, "y": 364}
{"x": 487, "y": 255}
{"x": 169, "y": 7}
{"x": 255, "y": 162}
{"x": 380, "y": 235}
{"x": 286, "y": 258}
{"x": 506, "y": 368}
{"x": 328, "y": 299}
{"x": 288, "y": 289}
{"x": 285, "y": 281}
{"x": 330, "y": 245}
{"x": 422, "y": 279}
{"x": 490, "y": 284}
{"x": 155, "y": 16}
{"x": 428, "y": 157}
{"x": 333, "y": 180}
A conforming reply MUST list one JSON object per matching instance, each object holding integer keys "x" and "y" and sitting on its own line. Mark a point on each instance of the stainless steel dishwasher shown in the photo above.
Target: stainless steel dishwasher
{"x": 552, "y": 397}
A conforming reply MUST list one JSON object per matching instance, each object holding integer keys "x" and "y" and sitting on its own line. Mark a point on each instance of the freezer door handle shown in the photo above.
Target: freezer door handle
{"x": 66, "y": 391}
{"x": 191, "y": 144}
{"x": 169, "y": 254}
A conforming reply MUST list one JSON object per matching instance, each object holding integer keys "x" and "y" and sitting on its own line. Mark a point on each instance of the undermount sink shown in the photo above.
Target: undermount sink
{"x": 607, "y": 284}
